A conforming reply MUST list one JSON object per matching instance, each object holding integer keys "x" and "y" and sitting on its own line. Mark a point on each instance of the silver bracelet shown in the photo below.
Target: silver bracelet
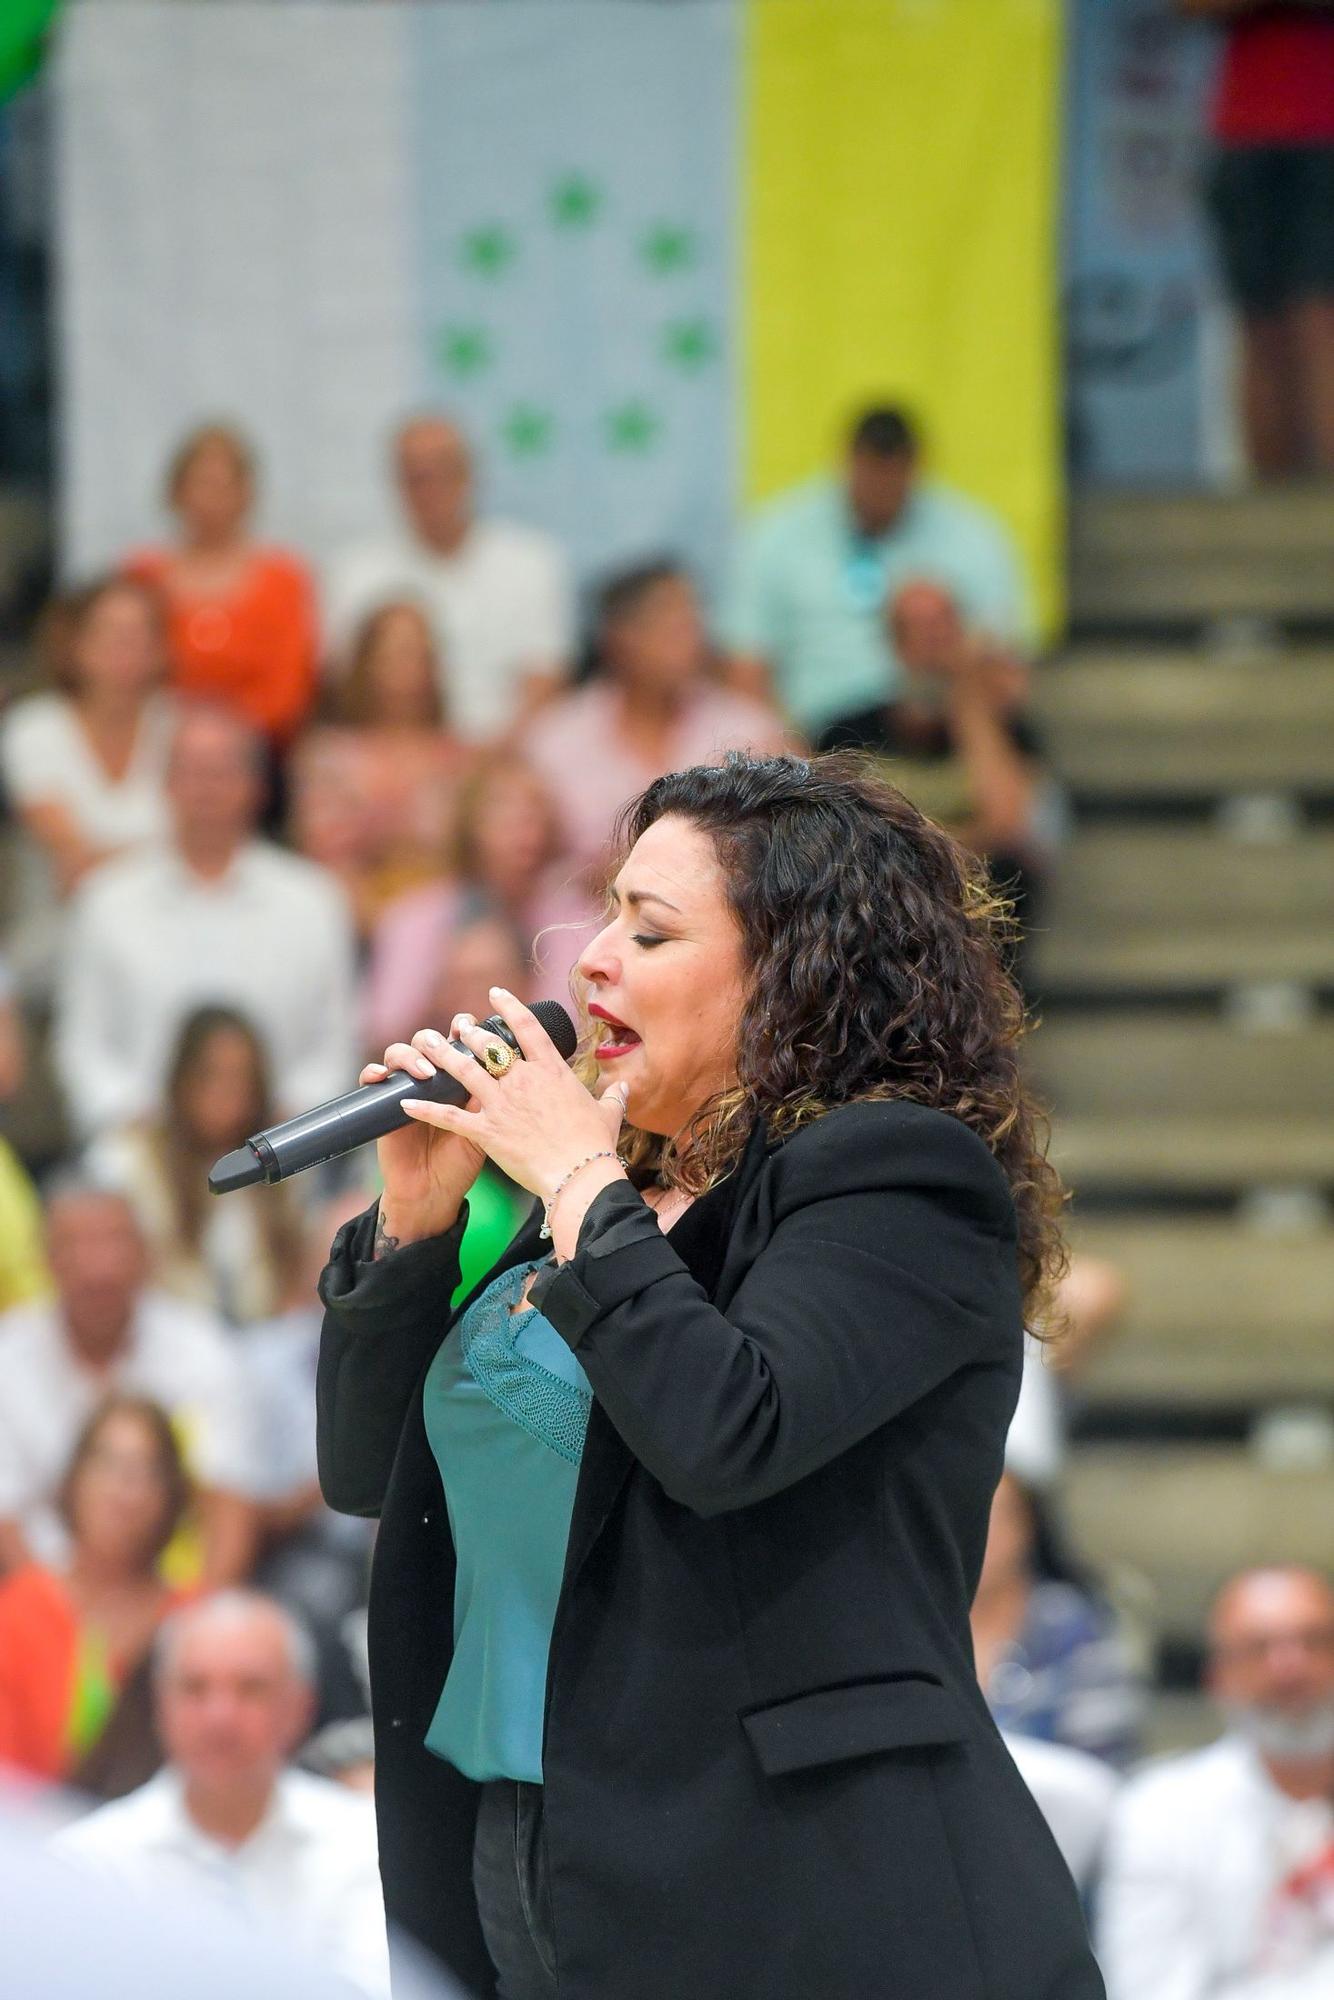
{"x": 606, "y": 1154}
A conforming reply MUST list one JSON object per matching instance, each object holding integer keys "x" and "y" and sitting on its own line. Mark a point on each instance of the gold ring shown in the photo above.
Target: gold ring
{"x": 496, "y": 1058}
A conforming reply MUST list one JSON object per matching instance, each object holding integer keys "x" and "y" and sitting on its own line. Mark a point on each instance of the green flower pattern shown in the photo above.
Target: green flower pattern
{"x": 687, "y": 346}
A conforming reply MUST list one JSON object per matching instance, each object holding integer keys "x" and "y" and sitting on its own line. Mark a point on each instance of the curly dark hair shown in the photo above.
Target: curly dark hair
{"x": 877, "y": 946}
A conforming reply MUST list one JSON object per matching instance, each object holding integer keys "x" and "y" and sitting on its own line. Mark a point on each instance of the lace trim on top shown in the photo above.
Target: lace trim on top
{"x": 540, "y": 1402}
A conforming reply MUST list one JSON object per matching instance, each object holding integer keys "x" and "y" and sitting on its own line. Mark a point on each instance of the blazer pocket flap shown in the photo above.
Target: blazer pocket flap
{"x": 833, "y": 1723}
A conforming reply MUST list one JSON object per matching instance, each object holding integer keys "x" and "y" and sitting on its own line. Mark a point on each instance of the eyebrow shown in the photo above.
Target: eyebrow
{"x": 634, "y": 897}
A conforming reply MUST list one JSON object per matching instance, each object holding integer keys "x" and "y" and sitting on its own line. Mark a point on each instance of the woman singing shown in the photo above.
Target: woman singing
{"x": 682, "y": 1509}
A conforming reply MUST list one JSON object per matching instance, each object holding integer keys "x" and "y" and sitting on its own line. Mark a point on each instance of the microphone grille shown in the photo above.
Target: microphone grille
{"x": 558, "y": 1025}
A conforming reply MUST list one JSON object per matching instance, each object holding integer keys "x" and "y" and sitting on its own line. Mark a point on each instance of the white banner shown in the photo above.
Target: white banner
{"x": 312, "y": 220}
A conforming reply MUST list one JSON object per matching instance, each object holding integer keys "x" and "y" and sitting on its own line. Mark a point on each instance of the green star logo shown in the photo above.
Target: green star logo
{"x": 689, "y": 344}
{"x": 631, "y": 426}
{"x": 465, "y": 350}
{"x": 489, "y": 251}
{"x": 574, "y": 202}
{"x": 666, "y": 248}
{"x": 527, "y": 430}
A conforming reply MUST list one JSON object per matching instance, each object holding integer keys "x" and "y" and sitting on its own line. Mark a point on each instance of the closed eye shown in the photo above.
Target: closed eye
{"x": 647, "y": 942}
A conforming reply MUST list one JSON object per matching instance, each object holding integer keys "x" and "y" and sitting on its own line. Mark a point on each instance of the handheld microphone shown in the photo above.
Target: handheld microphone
{"x": 367, "y": 1113}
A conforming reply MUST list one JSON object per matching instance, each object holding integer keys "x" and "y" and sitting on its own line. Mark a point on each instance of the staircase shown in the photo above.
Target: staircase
{"x": 1186, "y": 974}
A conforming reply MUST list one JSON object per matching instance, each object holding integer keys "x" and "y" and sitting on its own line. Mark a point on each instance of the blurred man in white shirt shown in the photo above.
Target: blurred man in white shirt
{"x": 104, "y": 1332}
{"x": 214, "y": 915}
{"x": 296, "y": 1853}
{"x": 1219, "y": 1882}
{"x": 498, "y": 595}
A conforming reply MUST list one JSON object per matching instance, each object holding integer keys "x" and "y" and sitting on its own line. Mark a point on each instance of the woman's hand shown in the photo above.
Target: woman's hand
{"x": 426, "y": 1173}
{"x": 536, "y": 1122}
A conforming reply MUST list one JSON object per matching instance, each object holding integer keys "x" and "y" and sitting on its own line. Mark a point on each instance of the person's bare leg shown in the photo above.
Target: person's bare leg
{"x": 1270, "y": 398}
{"x": 1312, "y": 323}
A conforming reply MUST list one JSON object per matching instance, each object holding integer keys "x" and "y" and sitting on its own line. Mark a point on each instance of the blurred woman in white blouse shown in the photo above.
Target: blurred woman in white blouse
{"x": 84, "y": 759}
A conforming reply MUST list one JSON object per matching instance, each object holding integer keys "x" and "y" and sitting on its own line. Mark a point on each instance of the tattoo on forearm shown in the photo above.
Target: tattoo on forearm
{"x": 384, "y": 1242}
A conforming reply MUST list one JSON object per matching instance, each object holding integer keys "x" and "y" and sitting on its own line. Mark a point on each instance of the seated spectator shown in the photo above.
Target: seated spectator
{"x": 103, "y": 1333}
{"x": 818, "y": 563}
{"x": 228, "y": 1813}
{"x": 238, "y": 1258}
{"x": 85, "y": 763}
{"x": 1089, "y": 1302}
{"x": 651, "y": 706}
{"x": 213, "y": 915}
{"x": 504, "y": 863}
{"x": 374, "y": 791}
{"x": 409, "y": 761}
{"x": 241, "y": 618}
{"x": 75, "y": 1638}
{"x": 955, "y": 740}
{"x": 1049, "y": 1658}
{"x": 499, "y": 596}
{"x": 1219, "y": 1882}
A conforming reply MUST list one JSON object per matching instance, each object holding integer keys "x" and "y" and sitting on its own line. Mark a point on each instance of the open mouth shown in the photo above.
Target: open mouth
{"x": 617, "y": 1039}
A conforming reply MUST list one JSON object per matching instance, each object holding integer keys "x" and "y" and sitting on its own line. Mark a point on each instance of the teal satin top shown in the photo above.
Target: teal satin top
{"x": 506, "y": 1407}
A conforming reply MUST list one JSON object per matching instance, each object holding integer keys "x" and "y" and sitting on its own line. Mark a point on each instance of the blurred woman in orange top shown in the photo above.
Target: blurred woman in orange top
{"x": 241, "y": 618}
{"x": 75, "y": 1702}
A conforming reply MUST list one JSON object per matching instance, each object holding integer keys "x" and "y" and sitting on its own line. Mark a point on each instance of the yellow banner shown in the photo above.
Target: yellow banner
{"x": 900, "y": 243}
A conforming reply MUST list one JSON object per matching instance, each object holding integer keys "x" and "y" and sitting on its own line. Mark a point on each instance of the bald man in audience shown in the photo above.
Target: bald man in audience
{"x": 234, "y": 1690}
{"x": 1220, "y": 1867}
{"x": 499, "y": 595}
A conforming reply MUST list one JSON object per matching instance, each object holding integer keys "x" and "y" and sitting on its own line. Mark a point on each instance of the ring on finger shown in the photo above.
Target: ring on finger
{"x": 496, "y": 1058}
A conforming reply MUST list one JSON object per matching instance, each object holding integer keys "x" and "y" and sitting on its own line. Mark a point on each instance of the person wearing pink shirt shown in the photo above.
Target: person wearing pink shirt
{"x": 651, "y": 707}
{"x": 505, "y": 865}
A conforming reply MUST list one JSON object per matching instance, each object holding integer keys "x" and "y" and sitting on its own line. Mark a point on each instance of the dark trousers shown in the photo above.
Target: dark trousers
{"x": 510, "y": 1883}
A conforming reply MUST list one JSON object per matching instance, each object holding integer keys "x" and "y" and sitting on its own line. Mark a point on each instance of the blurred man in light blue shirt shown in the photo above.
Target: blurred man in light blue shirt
{"x": 804, "y": 621}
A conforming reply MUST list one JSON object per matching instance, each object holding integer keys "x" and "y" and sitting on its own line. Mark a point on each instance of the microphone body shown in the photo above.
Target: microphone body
{"x": 364, "y": 1114}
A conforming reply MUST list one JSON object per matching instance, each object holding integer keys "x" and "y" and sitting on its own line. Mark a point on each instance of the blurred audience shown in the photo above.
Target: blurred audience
{"x": 1219, "y": 1882}
{"x": 239, "y": 1258}
{"x": 241, "y": 617}
{"x": 504, "y": 866}
{"x": 75, "y": 1637}
{"x": 499, "y": 596}
{"x": 651, "y": 706}
{"x": 85, "y": 762}
{"x": 1271, "y": 194}
{"x": 213, "y": 915}
{"x": 317, "y": 1562}
{"x": 373, "y": 791}
{"x": 1050, "y": 1660}
{"x": 817, "y": 564}
{"x": 228, "y": 1813}
{"x": 102, "y": 1333}
{"x": 954, "y": 738}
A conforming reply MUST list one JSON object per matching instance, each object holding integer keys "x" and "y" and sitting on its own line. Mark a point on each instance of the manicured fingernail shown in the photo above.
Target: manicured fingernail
{"x": 501, "y": 993}
{"x": 430, "y": 1035}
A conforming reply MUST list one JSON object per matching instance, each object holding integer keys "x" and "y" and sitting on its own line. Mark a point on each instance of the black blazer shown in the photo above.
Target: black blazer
{"x": 768, "y": 1768}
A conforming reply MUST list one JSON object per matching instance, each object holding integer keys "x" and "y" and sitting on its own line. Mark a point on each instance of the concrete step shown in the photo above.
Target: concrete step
{"x": 1181, "y": 559}
{"x": 1216, "y": 1313}
{"x": 1150, "y": 1154}
{"x": 1182, "y": 722}
{"x": 1154, "y": 960}
{"x": 1141, "y": 876}
{"x": 1186, "y": 1517}
{"x": 1158, "y": 1065}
